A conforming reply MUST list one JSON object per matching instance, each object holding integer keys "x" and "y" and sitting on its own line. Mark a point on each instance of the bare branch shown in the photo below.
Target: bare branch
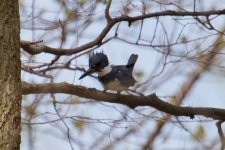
{"x": 32, "y": 48}
{"x": 39, "y": 48}
{"x": 193, "y": 77}
{"x": 38, "y": 73}
{"x": 107, "y": 16}
{"x": 128, "y": 100}
{"x": 220, "y": 131}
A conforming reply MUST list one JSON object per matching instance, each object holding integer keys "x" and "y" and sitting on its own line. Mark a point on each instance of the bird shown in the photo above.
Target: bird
{"x": 112, "y": 77}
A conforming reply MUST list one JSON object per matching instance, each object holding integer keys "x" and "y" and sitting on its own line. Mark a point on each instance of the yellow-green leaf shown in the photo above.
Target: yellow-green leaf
{"x": 199, "y": 133}
{"x": 79, "y": 124}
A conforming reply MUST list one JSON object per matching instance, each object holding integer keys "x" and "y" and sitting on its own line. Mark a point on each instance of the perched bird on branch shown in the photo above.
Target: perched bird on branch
{"x": 112, "y": 77}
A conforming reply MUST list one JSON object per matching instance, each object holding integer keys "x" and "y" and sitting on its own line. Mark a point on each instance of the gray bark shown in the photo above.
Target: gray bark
{"x": 10, "y": 82}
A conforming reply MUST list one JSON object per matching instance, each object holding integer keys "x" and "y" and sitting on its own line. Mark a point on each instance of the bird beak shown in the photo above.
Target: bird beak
{"x": 89, "y": 71}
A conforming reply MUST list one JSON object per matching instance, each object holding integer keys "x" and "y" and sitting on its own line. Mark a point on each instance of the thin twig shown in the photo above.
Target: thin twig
{"x": 107, "y": 15}
{"x": 220, "y": 131}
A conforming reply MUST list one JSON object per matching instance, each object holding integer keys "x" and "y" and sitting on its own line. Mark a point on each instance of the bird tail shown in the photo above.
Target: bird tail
{"x": 131, "y": 62}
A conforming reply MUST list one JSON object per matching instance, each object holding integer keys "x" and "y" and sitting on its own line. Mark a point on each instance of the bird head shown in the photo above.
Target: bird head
{"x": 97, "y": 61}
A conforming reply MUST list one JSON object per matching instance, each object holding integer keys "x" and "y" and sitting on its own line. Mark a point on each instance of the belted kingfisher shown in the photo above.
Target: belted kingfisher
{"x": 117, "y": 78}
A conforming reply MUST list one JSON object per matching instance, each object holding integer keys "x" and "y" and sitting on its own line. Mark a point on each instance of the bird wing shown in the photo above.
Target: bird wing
{"x": 124, "y": 76}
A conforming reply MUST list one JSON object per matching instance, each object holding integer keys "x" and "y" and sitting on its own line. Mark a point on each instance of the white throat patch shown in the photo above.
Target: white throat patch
{"x": 105, "y": 71}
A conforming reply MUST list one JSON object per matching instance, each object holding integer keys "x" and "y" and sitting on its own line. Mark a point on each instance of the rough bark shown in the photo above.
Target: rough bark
{"x": 10, "y": 82}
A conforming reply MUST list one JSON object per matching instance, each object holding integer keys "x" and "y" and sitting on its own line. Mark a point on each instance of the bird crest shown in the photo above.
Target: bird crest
{"x": 99, "y": 58}
{"x": 97, "y": 54}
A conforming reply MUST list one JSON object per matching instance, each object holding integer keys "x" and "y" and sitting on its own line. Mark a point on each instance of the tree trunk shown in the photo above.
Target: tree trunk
{"x": 10, "y": 82}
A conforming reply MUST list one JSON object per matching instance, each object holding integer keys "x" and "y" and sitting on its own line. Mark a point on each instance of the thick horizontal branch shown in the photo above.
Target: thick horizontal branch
{"x": 36, "y": 48}
{"x": 128, "y": 100}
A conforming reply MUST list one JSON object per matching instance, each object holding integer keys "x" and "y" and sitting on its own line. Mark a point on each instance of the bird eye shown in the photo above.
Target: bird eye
{"x": 96, "y": 65}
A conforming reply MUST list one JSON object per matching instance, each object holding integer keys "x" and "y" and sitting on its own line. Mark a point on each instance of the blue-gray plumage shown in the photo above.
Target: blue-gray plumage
{"x": 117, "y": 78}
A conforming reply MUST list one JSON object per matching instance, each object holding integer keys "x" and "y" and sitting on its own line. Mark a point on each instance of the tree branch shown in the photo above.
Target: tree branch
{"x": 173, "y": 13}
{"x": 220, "y": 131}
{"x": 128, "y": 100}
{"x": 36, "y": 48}
{"x": 107, "y": 16}
{"x": 186, "y": 87}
